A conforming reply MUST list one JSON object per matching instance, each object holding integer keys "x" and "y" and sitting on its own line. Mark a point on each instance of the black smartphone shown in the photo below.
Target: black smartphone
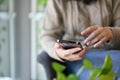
{"x": 66, "y": 44}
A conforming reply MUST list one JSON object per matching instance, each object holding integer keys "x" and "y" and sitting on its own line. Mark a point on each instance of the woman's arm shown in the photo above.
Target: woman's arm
{"x": 52, "y": 27}
{"x": 105, "y": 37}
{"x": 115, "y": 42}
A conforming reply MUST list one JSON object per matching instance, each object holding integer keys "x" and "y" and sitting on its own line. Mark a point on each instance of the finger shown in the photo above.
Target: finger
{"x": 95, "y": 40}
{"x": 92, "y": 36}
{"x": 74, "y": 57}
{"x": 98, "y": 38}
{"x": 83, "y": 52}
{"x": 71, "y": 51}
{"x": 78, "y": 56}
{"x": 100, "y": 42}
{"x": 88, "y": 30}
{"x": 65, "y": 53}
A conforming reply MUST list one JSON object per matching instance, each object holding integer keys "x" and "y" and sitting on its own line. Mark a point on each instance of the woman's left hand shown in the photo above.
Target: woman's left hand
{"x": 97, "y": 35}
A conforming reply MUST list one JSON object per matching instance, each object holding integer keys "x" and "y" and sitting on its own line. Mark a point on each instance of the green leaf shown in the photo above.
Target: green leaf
{"x": 72, "y": 77}
{"x": 87, "y": 64}
{"x": 109, "y": 76}
{"x": 54, "y": 79}
{"x": 95, "y": 73}
{"x": 61, "y": 76}
{"x": 58, "y": 67}
{"x": 107, "y": 66}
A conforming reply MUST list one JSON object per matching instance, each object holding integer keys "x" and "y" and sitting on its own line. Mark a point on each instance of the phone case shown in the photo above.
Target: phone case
{"x": 69, "y": 44}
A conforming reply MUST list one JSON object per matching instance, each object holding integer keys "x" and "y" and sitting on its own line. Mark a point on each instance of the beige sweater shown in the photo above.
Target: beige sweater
{"x": 72, "y": 17}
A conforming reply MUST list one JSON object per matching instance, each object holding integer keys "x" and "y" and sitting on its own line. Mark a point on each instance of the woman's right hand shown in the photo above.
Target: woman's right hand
{"x": 69, "y": 53}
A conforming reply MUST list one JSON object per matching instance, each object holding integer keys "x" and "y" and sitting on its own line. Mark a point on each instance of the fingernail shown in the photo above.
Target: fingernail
{"x": 81, "y": 33}
{"x": 85, "y": 46}
{"x": 88, "y": 43}
{"x": 78, "y": 48}
{"x": 94, "y": 46}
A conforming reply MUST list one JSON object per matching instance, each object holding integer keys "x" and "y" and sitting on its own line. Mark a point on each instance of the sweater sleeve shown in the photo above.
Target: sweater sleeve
{"x": 115, "y": 41}
{"x": 51, "y": 28}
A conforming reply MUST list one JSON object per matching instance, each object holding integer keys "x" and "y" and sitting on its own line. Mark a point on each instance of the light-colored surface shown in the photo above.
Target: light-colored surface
{"x": 5, "y": 78}
{"x": 41, "y": 73}
{"x": 21, "y": 42}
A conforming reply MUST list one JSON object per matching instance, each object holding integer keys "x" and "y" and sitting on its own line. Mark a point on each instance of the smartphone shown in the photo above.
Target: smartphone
{"x": 66, "y": 44}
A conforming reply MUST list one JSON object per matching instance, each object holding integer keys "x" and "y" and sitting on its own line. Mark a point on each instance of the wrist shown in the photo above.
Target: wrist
{"x": 110, "y": 34}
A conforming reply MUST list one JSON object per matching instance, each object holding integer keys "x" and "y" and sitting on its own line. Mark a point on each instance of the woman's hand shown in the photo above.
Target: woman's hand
{"x": 97, "y": 35}
{"x": 69, "y": 53}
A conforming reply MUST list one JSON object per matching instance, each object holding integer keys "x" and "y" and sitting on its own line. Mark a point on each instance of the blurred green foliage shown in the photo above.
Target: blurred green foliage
{"x": 96, "y": 73}
{"x": 59, "y": 72}
{"x": 42, "y": 2}
{"x": 2, "y": 1}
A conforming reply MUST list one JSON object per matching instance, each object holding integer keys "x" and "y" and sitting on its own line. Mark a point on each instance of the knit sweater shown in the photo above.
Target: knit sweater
{"x": 72, "y": 17}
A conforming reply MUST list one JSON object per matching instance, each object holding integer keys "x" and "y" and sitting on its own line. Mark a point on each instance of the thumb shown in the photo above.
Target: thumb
{"x": 85, "y": 48}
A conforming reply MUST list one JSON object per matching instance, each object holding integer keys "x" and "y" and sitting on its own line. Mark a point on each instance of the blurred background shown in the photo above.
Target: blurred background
{"x": 20, "y": 22}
